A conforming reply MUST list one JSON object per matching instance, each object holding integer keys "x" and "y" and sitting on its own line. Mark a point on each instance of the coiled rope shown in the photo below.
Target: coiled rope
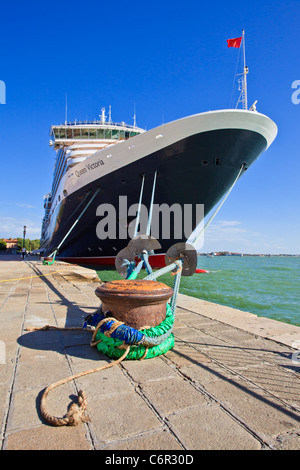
{"x": 76, "y": 413}
{"x": 146, "y": 343}
{"x": 111, "y": 338}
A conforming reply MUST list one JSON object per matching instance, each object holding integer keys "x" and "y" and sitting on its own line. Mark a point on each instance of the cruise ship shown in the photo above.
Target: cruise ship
{"x": 189, "y": 162}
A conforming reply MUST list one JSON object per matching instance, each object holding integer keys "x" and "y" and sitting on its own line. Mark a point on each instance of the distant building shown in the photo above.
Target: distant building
{"x": 11, "y": 243}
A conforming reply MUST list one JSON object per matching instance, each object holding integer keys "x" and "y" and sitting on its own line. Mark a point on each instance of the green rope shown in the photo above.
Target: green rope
{"x": 110, "y": 346}
{"x": 53, "y": 259}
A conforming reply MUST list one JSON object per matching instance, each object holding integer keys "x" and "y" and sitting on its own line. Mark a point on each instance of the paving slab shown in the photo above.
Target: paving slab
{"x": 232, "y": 381}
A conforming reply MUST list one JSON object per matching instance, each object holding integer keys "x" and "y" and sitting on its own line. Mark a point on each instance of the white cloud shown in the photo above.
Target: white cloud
{"x": 228, "y": 223}
{"x": 228, "y": 230}
{"x": 231, "y": 235}
{"x": 13, "y": 227}
{"x": 25, "y": 205}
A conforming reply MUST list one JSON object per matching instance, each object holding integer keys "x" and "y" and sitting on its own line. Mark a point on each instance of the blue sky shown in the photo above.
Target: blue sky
{"x": 169, "y": 60}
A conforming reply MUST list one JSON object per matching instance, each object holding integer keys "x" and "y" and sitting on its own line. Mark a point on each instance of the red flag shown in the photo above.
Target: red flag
{"x": 236, "y": 42}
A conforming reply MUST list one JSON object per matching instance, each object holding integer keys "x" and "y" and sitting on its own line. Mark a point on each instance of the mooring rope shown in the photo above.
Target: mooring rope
{"x": 111, "y": 337}
{"x": 50, "y": 327}
{"x": 76, "y": 413}
{"x": 38, "y": 275}
{"x": 70, "y": 230}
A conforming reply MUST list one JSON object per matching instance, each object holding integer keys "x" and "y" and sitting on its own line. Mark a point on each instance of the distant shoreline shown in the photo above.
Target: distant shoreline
{"x": 239, "y": 255}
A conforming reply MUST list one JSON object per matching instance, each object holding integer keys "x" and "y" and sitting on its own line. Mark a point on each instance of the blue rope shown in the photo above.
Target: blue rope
{"x": 123, "y": 332}
{"x": 126, "y": 333}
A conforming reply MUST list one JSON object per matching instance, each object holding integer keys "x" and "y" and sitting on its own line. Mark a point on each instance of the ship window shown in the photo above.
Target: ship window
{"x": 132, "y": 134}
{"x": 84, "y": 133}
{"x": 204, "y": 162}
{"x": 127, "y": 134}
{"x": 62, "y": 134}
{"x": 122, "y": 134}
{"x": 92, "y": 133}
{"x": 65, "y": 192}
{"x": 77, "y": 133}
{"x": 217, "y": 161}
{"x": 108, "y": 133}
{"x": 100, "y": 133}
{"x": 56, "y": 133}
{"x": 115, "y": 134}
{"x": 70, "y": 133}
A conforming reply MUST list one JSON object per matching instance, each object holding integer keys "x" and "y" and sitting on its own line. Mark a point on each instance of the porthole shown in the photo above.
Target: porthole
{"x": 204, "y": 162}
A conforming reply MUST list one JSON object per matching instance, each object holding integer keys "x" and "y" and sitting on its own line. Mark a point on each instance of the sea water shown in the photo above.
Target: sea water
{"x": 265, "y": 286}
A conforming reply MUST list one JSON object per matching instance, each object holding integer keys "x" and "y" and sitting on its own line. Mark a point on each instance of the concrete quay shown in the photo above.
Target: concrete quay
{"x": 231, "y": 381}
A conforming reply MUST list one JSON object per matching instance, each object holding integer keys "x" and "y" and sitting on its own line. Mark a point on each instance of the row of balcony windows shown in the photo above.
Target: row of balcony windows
{"x": 86, "y": 133}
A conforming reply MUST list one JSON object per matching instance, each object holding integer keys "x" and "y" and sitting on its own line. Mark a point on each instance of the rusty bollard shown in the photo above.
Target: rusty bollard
{"x": 136, "y": 303}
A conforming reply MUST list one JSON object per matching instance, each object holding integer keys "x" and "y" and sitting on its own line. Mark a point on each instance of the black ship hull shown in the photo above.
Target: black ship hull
{"x": 198, "y": 169}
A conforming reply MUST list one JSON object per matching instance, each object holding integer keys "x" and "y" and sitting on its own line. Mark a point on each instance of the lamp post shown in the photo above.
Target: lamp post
{"x": 24, "y": 234}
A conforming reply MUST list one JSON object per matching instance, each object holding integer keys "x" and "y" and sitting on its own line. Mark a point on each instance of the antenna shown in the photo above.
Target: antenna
{"x": 66, "y": 111}
{"x": 134, "y": 116}
{"x": 103, "y": 117}
{"x": 109, "y": 115}
{"x": 253, "y": 107}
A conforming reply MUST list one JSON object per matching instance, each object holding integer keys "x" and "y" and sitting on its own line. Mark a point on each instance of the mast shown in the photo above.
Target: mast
{"x": 242, "y": 81}
{"x": 245, "y": 98}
